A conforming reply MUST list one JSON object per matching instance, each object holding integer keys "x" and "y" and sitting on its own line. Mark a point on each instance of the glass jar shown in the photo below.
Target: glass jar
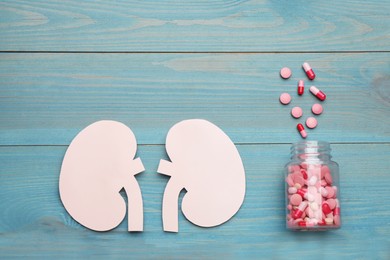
{"x": 311, "y": 184}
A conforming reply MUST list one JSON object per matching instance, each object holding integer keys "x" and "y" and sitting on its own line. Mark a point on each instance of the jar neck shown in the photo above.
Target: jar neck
{"x": 311, "y": 151}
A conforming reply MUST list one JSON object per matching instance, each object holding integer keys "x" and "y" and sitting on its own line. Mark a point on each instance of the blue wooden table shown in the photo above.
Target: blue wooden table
{"x": 150, "y": 64}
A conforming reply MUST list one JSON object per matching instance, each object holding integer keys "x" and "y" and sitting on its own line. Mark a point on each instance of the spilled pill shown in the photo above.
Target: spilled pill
{"x": 308, "y": 70}
{"x": 285, "y": 73}
{"x": 285, "y": 98}
{"x": 318, "y": 93}
{"x": 296, "y": 112}
{"x": 311, "y": 122}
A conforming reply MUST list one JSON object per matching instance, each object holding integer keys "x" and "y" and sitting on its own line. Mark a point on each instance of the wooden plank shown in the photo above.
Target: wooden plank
{"x": 34, "y": 223}
{"x": 205, "y": 26}
{"x": 46, "y": 99}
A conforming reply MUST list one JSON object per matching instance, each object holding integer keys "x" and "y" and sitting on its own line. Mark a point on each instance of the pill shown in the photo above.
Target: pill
{"x": 329, "y": 221}
{"x": 302, "y": 207}
{"x": 324, "y": 170}
{"x": 314, "y": 221}
{"x": 289, "y": 180}
{"x": 331, "y": 192}
{"x": 331, "y": 203}
{"x": 295, "y": 199}
{"x": 285, "y": 73}
{"x": 318, "y": 93}
{"x": 304, "y": 173}
{"x": 336, "y": 211}
{"x": 302, "y": 223}
{"x": 285, "y": 98}
{"x": 308, "y": 70}
{"x": 294, "y": 168}
{"x": 336, "y": 220}
{"x": 311, "y": 122}
{"x": 297, "y": 185}
{"x": 305, "y": 195}
{"x": 312, "y": 190}
{"x": 314, "y": 206}
{"x": 317, "y": 109}
{"x": 304, "y": 165}
{"x": 328, "y": 178}
{"x": 335, "y": 191}
{"x": 296, "y": 112}
{"x": 301, "y": 87}
{"x": 326, "y": 209}
{"x": 323, "y": 192}
{"x": 321, "y": 222}
{"x": 313, "y": 180}
{"x": 301, "y": 130}
{"x": 310, "y": 213}
{"x": 298, "y": 178}
{"x": 292, "y": 190}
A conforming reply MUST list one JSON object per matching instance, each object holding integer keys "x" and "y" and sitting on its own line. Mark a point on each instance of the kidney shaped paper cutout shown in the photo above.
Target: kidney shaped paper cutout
{"x": 97, "y": 165}
{"x": 206, "y": 163}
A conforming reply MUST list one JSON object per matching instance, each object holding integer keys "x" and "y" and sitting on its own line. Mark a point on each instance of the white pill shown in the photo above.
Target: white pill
{"x": 314, "y": 206}
{"x": 292, "y": 190}
{"x": 313, "y": 180}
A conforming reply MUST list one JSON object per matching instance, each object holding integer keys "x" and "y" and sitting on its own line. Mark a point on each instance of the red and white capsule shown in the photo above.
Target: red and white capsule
{"x": 318, "y": 93}
{"x": 301, "y": 87}
{"x": 301, "y": 208}
{"x": 309, "y": 71}
{"x": 301, "y": 130}
{"x": 336, "y": 211}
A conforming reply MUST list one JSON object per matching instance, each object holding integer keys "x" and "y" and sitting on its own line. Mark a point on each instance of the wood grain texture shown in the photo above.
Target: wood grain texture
{"x": 222, "y": 26}
{"x": 34, "y": 223}
{"x": 46, "y": 99}
{"x": 150, "y": 64}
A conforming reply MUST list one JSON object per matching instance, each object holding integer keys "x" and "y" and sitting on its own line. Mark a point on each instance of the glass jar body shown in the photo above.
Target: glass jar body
{"x": 312, "y": 188}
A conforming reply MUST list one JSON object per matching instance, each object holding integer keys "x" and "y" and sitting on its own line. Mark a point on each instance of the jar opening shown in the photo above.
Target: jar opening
{"x": 310, "y": 148}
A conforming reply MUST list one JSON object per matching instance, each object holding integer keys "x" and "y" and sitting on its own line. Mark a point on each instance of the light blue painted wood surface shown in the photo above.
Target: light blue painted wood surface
{"x": 175, "y": 25}
{"x": 33, "y": 221}
{"x": 170, "y": 69}
{"x": 49, "y": 98}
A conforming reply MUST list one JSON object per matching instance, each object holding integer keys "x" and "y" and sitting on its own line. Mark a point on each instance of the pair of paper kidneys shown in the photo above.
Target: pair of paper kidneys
{"x": 100, "y": 162}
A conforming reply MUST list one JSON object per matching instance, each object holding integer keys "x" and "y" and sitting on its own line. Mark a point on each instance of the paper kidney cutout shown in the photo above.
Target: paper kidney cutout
{"x": 97, "y": 165}
{"x": 206, "y": 163}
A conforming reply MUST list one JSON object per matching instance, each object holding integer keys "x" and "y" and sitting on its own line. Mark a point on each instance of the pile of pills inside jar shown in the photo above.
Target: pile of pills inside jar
{"x": 312, "y": 198}
{"x": 297, "y": 112}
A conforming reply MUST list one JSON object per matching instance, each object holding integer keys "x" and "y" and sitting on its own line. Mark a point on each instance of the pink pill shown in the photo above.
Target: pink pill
{"x": 311, "y": 122}
{"x": 285, "y": 98}
{"x": 324, "y": 170}
{"x": 331, "y": 203}
{"x": 298, "y": 178}
{"x": 295, "y": 199}
{"x": 330, "y": 191}
{"x": 296, "y": 112}
{"x": 293, "y": 168}
{"x": 285, "y": 73}
{"x": 289, "y": 180}
{"x": 328, "y": 178}
{"x": 336, "y": 220}
{"x": 317, "y": 109}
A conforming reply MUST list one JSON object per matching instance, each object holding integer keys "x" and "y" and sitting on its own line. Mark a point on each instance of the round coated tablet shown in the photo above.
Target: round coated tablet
{"x": 317, "y": 109}
{"x": 311, "y": 122}
{"x": 285, "y": 98}
{"x": 296, "y": 112}
{"x": 285, "y": 73}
